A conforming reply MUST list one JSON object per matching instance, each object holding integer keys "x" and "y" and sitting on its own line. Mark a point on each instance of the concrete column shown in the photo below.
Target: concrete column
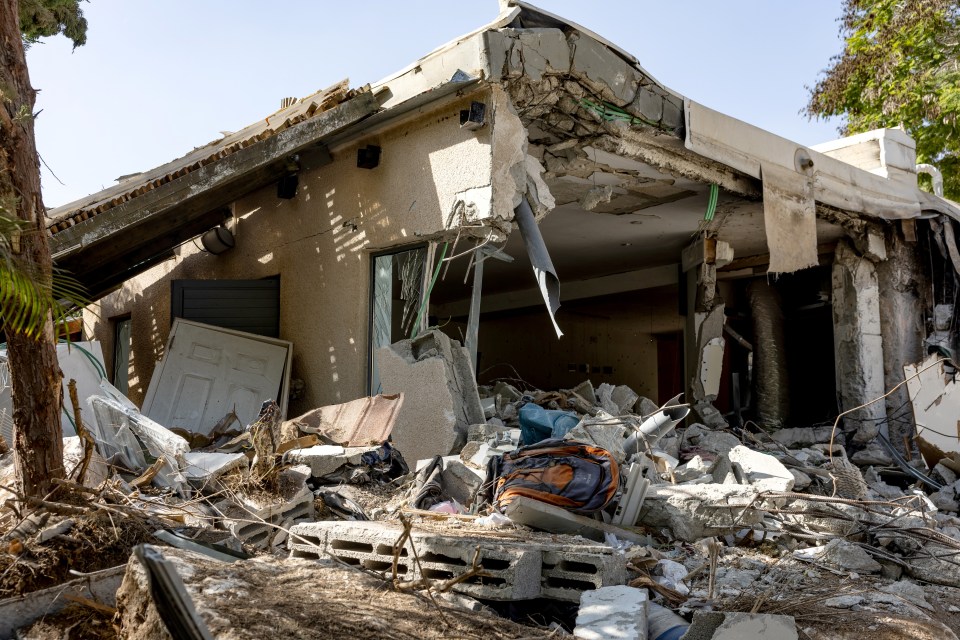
{"x": 903, "y": 282}
{"x": 704, "y": 343}
{"x": 858, "y": 346}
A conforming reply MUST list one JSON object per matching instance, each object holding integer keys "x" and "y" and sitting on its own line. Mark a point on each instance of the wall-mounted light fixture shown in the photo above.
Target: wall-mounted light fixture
{"x": 218, "y": 240}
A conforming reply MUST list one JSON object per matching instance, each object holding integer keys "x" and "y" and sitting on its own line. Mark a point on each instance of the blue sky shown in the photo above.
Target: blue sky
{"x": 156, "y": 79}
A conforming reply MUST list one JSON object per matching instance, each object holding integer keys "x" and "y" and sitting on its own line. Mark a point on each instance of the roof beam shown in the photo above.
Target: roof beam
{"x": 119, "y": 234}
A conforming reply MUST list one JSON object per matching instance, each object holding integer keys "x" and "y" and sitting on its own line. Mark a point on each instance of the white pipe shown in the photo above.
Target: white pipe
{"x": 656, "y": 426}
{"x": 934, "y": 173}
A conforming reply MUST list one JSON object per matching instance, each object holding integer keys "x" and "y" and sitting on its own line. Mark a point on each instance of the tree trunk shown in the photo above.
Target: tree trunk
{"x": 34, "y": 371}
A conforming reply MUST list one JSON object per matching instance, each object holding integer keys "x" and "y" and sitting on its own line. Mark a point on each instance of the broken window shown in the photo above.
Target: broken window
{"x": 121, "y": 354}
{"x": 396, "y": 299}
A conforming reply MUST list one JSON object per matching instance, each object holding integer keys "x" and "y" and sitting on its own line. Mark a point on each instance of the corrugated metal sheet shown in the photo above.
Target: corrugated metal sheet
{"x": 357, "y": 423}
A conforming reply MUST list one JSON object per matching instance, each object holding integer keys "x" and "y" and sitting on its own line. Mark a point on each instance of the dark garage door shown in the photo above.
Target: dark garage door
{"x": 245, "y": 305}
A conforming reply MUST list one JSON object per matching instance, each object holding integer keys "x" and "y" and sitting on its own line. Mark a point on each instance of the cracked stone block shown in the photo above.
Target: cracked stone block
{"x": 612, "y": 612}
{"x": 440, "y": 394}
{"x": 694, "y": 511}
{"x": 712, "y": 625}
{"x": 762, "y": 470}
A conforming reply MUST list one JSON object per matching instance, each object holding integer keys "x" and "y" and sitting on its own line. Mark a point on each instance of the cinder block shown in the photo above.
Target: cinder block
{"x": 515, "y": 570}
{"x": 568, "y": 571}
{"x": 254, "y": 526}
{"x": 512, "y": 571}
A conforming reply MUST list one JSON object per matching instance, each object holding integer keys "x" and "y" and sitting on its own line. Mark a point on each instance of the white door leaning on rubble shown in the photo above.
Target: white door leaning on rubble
{"x": 206, "y": 371}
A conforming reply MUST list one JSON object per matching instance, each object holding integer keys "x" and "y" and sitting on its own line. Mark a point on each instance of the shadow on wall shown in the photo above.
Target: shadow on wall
{"x": 324, "y": 269}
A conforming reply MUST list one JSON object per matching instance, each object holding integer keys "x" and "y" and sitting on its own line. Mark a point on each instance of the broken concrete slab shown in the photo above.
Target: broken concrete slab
{"x": 441, "y": 401}
{"x": 802, "y": 436}
{"x": 618, "y": 612}
{"x": 603, "y": 430}
{"x": 716, "y": 625}
{"x": 873, "y": 454}
{"x": 296, "y": 599}
{"x": 849, "y": 556}
{"x": 324, "y": 459}
{"x": 204, "y": 469}
{"x": 548, "y": 517}
{"x": 935, "y": 396}
{"x": 716, "y": 441}
{"x": 695, "y": 511}
{"x": 461, "y": 482}
{"x": 763, "y": 471}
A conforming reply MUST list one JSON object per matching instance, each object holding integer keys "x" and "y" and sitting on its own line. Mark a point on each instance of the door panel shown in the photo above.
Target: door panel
{"x": 206, "y": 372}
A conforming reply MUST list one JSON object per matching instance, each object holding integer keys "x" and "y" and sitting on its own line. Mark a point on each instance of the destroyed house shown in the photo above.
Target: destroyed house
{"x": 527, "y": 180}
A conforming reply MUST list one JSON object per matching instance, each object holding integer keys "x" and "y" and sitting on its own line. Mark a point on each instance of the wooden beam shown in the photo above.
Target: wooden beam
{"x": 209, "y": 187}
{"x": 763, "y": 259}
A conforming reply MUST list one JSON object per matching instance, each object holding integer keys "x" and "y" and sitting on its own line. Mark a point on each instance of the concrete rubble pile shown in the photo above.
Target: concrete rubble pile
{"x": 296, "y": 528}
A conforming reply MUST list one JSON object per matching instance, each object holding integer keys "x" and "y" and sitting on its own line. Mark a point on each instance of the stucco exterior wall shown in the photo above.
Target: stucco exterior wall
{"x": 319, "y": 243}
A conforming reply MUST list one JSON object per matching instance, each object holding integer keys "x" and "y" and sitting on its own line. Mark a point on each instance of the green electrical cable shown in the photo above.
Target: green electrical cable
{"x": 426, "y": 297}
{"x": 712, "y": 202}
{"x": 93, "y": 360}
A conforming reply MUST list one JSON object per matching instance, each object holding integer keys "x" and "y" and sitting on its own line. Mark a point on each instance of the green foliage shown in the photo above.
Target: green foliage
{"x": 25, "y": 296}
{"x": 44, "y": 18}
{"x": 900, "y": 68}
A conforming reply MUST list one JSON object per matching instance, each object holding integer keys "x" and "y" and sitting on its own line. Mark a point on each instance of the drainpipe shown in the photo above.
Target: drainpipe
{"x": 934, "y": 173}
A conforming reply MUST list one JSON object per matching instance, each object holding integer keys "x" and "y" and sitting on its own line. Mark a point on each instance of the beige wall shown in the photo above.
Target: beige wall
{"x": 618, "y": 331}
{"x": 320, "y": 244}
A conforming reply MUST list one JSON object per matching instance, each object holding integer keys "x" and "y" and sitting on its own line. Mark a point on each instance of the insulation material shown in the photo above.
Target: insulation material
{"x": 772, "y": 392}
{"x": 789, "y": 215}
{"x": 540, "y": 259}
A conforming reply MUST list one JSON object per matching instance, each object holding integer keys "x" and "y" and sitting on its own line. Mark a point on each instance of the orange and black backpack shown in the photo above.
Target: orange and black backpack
{"x": 579, "y": 477}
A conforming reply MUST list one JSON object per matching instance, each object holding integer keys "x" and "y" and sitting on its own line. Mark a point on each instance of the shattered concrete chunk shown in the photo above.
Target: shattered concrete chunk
{"x": 440, "y": 394}
{"x": 800, "y": 480}
{"x": 612, "y": 612}
{"x": 763, "y": 470}
{"x": 843, "y": 602}
{"x": 873, "y": 454}
{"x": 715, "y": 625}
{"x": 849, "y": 556}
{"x": 693, "y": 512}
{"x": 802, "y": 436}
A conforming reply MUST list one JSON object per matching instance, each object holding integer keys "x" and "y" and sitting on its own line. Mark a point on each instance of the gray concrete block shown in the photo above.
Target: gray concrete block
{"x": 568, "y": 571}
{"x": 440, "y": 394}
{"x": 612, "y": 612}
{"x": 616, "y": 80}
{"x": 460, "y": 482}
{"x": 648, "y": 105}
{"x": 254, "y": 523}
{"x": 713, "y": 625}
{"x": 512, "y": 571}
{"x": 762, "y": 470}
{"x": 695, "y": 511}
